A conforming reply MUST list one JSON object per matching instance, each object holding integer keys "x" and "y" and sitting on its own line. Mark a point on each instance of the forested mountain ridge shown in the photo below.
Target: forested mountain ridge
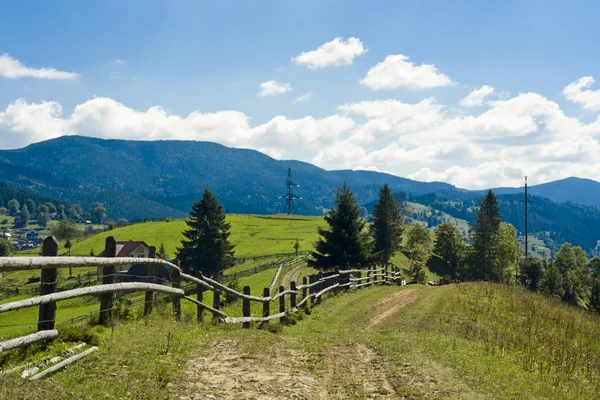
{"x": 168, "y": 175}
{"x": 150, "y": 179}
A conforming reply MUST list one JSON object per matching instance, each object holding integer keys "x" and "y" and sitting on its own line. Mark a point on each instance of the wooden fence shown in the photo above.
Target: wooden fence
{"x": 311, "y": 290}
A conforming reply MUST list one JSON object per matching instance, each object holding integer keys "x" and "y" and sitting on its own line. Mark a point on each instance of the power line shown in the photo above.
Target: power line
{"x": 290, "y": 196}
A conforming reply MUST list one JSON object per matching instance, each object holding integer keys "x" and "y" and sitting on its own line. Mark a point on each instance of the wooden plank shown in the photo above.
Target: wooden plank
{"x": 216, "y": 306}
{"x": 266, "y": 304}
{"x": 150, "y": 271}
{"x": 47, "y": 312}
{"x": 87, "y": 291}
{"x": 304, "y": 288}
{"x": 293, "y": 294}
{"x": 218, "y": 286}
{"x": 27, "y": 340}
{"x": 176, "y": 283}
{"x": 246, "y": 307}
{"x": 108, "y": 278}
{"x": 206, "y": 307}
{"x": 282, "y": 303}
{"x": 33, "y": 370}
{"x": 64, "y": 363}
{"x": 29, "y": 263}
{"x": 200, "y": 309}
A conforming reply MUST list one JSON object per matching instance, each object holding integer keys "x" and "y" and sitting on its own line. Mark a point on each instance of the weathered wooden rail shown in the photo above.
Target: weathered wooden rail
{"x": 312, "y": 289}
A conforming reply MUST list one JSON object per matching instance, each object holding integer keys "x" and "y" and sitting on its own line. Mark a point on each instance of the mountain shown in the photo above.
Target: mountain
{"x": 162, "y": 178}
{"x": 575, "y": 190}
{"x": 153, "y": 179}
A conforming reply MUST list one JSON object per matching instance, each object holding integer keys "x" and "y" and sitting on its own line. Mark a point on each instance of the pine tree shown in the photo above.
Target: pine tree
{"x": 484, "y": 234}
{"x": 206, "y": 246}
{"x": 162, "y": 252}
{"x": 387, "y": 226}
{"x": 345, "y": 242}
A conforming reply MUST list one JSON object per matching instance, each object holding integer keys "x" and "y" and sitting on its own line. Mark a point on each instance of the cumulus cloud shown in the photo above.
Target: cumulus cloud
{"x": 304, "y": 98}
{"x": 336, "y": 52}
{"x": 273, "y": 88}
{"x": 527, "y": 134}
{"x": 477, "y": 96}
{"x": 397, "y": 71}
{"x": 11, "y": 68}
{"x": 579, "y": 92}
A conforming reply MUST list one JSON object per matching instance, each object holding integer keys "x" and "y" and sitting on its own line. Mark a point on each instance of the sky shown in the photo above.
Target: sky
{"x": 476, "y": 94}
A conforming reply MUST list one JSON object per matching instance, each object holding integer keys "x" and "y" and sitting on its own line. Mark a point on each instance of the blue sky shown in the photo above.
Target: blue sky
{"x": 138, "y": 69}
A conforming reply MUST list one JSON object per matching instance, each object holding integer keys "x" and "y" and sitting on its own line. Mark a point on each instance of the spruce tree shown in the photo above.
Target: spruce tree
{"x": 484, "y": 233}
{"x": 345, "y": 242}
{"x": 162, "y": 252}
{"x": 387, "y": 226}
{"x": 206, "y": 246}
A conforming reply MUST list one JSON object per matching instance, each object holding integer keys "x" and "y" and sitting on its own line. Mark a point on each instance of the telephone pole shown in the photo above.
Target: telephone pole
{"x": 526, "y": 225}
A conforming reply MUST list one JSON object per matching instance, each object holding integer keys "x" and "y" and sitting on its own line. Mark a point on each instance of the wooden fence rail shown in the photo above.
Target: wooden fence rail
{"x": 312, "y": 289}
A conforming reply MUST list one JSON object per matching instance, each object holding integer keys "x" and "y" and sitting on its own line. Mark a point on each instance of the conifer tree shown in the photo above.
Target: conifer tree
{"x": 206, "y": 246}
{"x": 162, "y": 252}
{"x": 449, "y": 246}
{"x": 345, "y": 242}
{"x": 484, "y": 233}
{"x": 387, "y": 226}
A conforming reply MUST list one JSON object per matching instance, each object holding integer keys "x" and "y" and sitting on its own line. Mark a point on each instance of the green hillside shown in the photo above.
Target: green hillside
{"x": 252, "y": 234}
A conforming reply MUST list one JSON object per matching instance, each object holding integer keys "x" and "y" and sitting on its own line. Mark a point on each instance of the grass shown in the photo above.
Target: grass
{"x": 468, "y": 341}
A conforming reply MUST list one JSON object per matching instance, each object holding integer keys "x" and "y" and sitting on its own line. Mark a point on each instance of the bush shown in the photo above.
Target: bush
{"x": 4, "y": 221}
{"x": 77, "y": 334}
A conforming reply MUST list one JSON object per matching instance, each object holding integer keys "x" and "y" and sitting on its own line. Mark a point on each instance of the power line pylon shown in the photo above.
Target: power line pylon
{"x": 290, "y": 196}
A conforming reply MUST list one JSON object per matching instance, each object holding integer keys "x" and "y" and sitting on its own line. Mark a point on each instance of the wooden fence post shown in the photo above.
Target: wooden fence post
{"x": 150, "y": 272}
{"x": 368, "y": 275}
{"x": 282, "y": 304}
{"x": 319, "y": 287}
{"x": 311, "y": 290}
{"x": 304, "y": 289}
{"x": 47, "y": 313}
{"x": 176, "y": 283}
{"x": 266, "y": 304}
{"x": 216, "y": 305}
{"x": 293, "y": 295}
{"x": 199, "y": 310}
{"x": 108, "y": 277}
{"x": 246, "y": 307}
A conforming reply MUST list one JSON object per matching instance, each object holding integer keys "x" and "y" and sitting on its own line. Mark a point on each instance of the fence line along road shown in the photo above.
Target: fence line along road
{"x": 312, "y": 289}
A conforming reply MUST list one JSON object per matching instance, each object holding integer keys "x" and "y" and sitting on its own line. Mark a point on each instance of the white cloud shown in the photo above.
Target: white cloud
{"x": 273, "y": 88}
{"x": 121, "y": 62}
{"x": 11, "y": 68}
{"x": 304, "y": 98}
{"x": 336, "y": 52}
{"x": 527, "y": 134}
{"x": 397, "y": 71}
{"x": 579, "y": 92}
{"x": 477, "y": 96}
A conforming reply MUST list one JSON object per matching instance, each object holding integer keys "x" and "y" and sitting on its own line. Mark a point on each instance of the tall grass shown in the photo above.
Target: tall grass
{"x": 556, "y": 340}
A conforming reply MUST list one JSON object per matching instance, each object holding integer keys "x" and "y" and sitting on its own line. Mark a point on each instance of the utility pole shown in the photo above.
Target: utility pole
{"x": 526, "y": 225}
{"x": 290, "y": 196}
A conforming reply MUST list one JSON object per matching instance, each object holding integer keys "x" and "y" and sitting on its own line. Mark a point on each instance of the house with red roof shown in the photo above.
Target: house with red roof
{"x": 130, "y": 248}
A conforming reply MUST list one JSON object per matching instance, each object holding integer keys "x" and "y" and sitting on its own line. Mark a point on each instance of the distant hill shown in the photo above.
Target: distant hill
{"x": 153, "y": 179}
{"x": 575, "y": 190}
{"x": 163, "y": 178}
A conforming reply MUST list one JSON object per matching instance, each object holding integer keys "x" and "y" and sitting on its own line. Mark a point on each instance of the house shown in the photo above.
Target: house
{"x": 31, "y": 235}
{"x": 6, "y": 235}
{"x": 133, "y": 249}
